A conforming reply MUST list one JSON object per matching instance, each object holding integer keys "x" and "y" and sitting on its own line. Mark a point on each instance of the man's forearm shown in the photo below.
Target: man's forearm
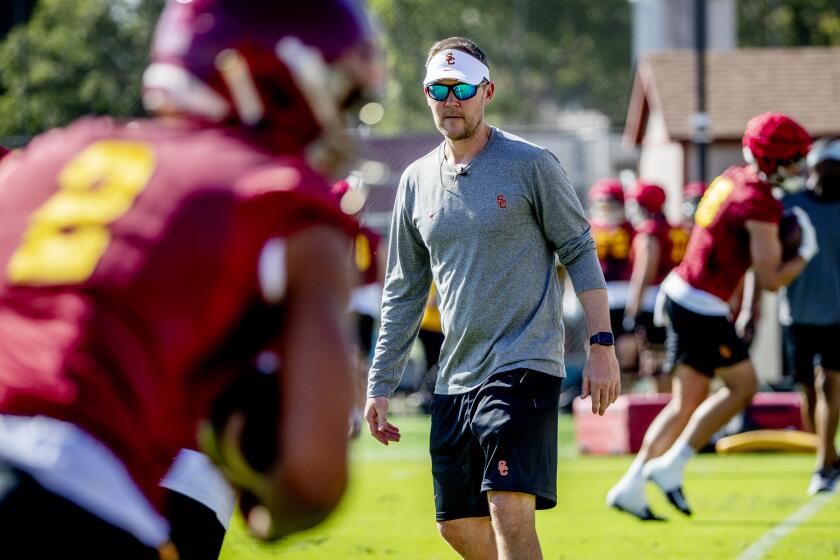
{"x": 596, "y": 307}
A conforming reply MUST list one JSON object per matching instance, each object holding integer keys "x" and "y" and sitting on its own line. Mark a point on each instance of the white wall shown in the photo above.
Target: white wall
{"x": 661, "y": 161}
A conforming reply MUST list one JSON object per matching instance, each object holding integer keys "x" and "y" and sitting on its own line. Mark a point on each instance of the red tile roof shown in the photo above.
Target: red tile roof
{"x": 801, "y": 82}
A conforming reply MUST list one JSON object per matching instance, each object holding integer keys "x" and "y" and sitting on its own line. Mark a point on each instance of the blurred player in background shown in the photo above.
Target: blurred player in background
{"x": 613, "y": 234}
{"x": 147, "y": 265}
{"x": 810, "y": 311}
{"x": 736, "y": 228}
{"x": 366, "y": 298}
{"x": 657, "y": 248}
{"x": 489, "y": 243}
{"x": 430, "y": 337}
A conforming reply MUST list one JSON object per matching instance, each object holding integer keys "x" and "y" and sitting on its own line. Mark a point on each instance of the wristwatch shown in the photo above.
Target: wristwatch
{"x": 603, "y": 338}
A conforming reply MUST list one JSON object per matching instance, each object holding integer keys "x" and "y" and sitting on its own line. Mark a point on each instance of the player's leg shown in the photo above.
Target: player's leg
{"x": 668, "y": 470}
{"x": 740, "y": 384}
{"x": 515, "y": 421}
{"x": 690, "y": 389}
{"x": 514, "y": 525}
{"x": 798, "y": 360}
{"x": 828, "y": 408}
{"x": 471, "y": 537}
{"x": 712, "y": 348}
{"x": 462, "y": 514}
{"x": 826, "y": 415}
{"x": 809, "y": 407}
{"x": 626, "y": 346}
{"x": 652, "y": 353}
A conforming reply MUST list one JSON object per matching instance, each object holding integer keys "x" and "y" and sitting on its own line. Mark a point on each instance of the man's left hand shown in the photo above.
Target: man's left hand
{"x": 601, "y": 380}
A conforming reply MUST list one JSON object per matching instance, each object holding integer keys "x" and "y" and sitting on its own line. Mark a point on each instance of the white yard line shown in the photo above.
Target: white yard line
{"x": 768, "y": 540}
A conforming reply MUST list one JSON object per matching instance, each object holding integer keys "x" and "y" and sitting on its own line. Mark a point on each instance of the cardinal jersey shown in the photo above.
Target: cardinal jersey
{"x": 718, "y": 252}
{"x": 130, "y": 293}
{"x": 613, "y": 244}
{"x": 672, "y": 244}
{"x": 365, "y": 256}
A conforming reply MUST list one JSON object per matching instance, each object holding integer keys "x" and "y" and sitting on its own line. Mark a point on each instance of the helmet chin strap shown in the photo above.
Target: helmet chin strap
{"x": 318, "y": 82}
{"x": 749, "y": 157}
{"x": 323, "y": 87}
{"x": 234, "y": 71}
{"x": 172, "y": 90}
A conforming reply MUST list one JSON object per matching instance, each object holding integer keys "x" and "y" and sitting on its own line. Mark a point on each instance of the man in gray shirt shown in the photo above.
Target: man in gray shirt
{"x": 810, "y": 311}
{"x": 484, "y": 216}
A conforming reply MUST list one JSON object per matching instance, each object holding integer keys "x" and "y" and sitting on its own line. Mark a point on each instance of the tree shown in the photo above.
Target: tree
{"x": 74, "y": 57}
{"x": 545, "y": 55}
{"x": 788, "y": 23}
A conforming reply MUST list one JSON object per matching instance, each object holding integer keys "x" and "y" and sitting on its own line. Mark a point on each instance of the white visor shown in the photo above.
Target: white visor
{"x": 823, "y": 152}
{"x": 457, "y": 65}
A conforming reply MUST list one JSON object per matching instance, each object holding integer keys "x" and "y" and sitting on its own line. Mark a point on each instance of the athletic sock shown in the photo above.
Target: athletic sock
{"x": 635, "y": 469}
{"x": 668, "y": 469}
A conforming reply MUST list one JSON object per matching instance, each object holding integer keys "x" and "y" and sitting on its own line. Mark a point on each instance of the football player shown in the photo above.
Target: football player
{"x": 366, "y": 297}
{"x": 736, "y": 228}
{"x": 147, "y": 264}
{"x": 613, "y": 234}
{"x": 657, "y": 248}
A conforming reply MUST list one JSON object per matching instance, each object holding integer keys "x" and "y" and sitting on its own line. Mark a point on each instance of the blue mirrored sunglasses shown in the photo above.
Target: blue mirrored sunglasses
{"x": 439, "y": 92}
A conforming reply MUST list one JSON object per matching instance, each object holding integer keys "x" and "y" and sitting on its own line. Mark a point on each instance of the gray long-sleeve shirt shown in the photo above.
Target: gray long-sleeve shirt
{"x": 487, "y": 235}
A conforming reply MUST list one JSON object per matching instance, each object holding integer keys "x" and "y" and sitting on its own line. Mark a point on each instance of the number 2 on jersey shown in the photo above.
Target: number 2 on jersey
{"x": 710, "y": 204}
{"x": 68, "y": 235}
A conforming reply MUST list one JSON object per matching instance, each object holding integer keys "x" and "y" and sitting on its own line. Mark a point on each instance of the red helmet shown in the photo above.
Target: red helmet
{"x": 649, "y": 196}
{"x": 695, "y": 189}
{"x": 289, "y": 64}
{"x": 774, "y": 139}
{"x": 607, "y": 188}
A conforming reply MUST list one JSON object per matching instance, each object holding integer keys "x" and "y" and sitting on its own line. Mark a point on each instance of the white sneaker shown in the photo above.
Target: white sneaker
{"x": 669, "y": 478}
{"x": 629, "y": 496}
{"x": 824, "y": 480}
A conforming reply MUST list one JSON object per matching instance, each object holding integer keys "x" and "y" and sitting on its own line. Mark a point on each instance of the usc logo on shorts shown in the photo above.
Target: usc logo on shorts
{"x": 725, "y": 352}
{"x": 503, "y": 468}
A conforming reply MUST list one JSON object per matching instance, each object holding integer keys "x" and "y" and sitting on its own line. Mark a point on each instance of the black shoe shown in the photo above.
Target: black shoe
{"x": 677, "y": 499}
{"x": 646, "y": 514}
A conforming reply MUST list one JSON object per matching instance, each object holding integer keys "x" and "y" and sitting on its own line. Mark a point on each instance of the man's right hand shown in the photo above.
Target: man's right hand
{"x": 376, "y": 414}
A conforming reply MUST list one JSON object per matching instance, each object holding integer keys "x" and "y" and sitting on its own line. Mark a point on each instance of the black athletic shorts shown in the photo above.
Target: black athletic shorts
{"x": 704, "y": 342}
{"x": 364, "y": 332}
{"x": 808, "y": 345}
{"x": 617, "y": 321}
{"x": 501, "y": 436}
{"x": 195, "y": 529}
{"x": 39, "y": 524}
{"x": 650, "y": 332}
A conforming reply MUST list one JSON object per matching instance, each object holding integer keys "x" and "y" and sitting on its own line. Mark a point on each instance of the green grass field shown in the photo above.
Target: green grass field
{"x": 388, "y": 511}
